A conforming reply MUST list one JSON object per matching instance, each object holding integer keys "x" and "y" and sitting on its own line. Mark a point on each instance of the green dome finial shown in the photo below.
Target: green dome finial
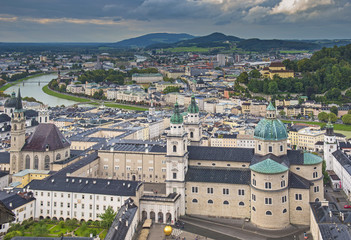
{"x": 176, "y": 118}
{"x": 193, "y": 108}
{"x": 270, "y": 107}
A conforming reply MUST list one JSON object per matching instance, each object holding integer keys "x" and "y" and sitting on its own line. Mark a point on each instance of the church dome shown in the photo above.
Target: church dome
{"x": 11, "y": 102}
{"x": 271, "y": 129}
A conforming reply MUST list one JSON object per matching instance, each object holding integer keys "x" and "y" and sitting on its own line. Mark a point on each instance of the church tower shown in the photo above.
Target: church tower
{"x": 18, "y": 135}
{"x": 192, "y": 124}
{"x": 177, "y": 157}
{"x": 152, "y": 108}
{"x": 330, "y": 145}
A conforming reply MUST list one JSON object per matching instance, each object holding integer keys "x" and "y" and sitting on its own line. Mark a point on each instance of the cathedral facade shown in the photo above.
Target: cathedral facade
{"x": 40, "y": 150}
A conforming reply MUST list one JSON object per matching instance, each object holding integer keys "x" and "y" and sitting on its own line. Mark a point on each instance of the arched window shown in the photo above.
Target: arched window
{"x": 36, "y": 162}
{"x": 316, "y": 200}
{"x": 66, "y": 154}
{"x": 241, "y": 203}
{"x": 27, "y": 162}
{"x": 269, "y": 213}
{"x": 174, "y": 148}
{"x": 47, "y": 163}
{"x": 194, "y": 200}
{"x": 284, "y": 211}
{"x": 299, "y": 208}
{"x": 259, "y": 147}
{"x": 226, "y": 202}
{"x": 191, "y": 134}
{"x": 58, "y": 156}
{"x": 281, "y": 148}
{"x": 210, "y": 201}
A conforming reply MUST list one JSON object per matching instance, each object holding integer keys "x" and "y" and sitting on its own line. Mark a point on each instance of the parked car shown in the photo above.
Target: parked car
{"x": 347, "y": 206}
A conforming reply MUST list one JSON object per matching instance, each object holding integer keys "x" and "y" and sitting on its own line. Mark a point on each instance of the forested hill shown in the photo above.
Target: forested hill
{"x": 327, "y": 71}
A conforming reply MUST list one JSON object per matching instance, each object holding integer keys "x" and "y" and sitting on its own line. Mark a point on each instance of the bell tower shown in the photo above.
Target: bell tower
{"x": 177, "y": 157}
{"x": 18, "y": 135}
{"x": 330, "y": 145}
{"x": 192, "y": 124}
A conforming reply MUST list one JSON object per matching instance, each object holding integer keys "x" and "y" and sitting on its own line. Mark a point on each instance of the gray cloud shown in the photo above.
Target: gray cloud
{"x": 127, "y": 18}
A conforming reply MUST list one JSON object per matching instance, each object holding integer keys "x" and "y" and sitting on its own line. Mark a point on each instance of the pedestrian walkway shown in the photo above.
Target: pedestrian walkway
{"x": 156, "y": 233}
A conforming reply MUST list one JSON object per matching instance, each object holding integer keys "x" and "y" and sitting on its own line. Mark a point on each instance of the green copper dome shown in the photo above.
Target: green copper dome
{"x": 176, "y": 118}
{"x": 193, "y": 108}
{"x": 268, "y": 166}
{"x": 271, "y": 129}
{"x": 311, "y": 159}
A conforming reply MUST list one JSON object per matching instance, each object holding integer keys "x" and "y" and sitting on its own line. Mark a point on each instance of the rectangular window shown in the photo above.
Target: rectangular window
{"x": 225, "y": 191}
{"x": 254, "y": 182}
{"x": 54, "y": 204}
{"x": 253, "y": 197}
{"x": 316, "y": 189}
{"x": 61, "y": 204}
{"x": 90, "y": 206}
{"x": 268, "y": 185}
{"x": 241, "y": 192}
{"x": 194, "y": 189}
{"x": 82, "y": 196}
{"x": 75, "y": 205}
{"x": 174, "y": 175}
{"x": 82, "y": 206}
{"x": 210, "y": 190}
{"x": 97, "y": 207}
{"x": 284, "y": 199}
{"x": 105, "y": 167}
{"x": 68, "y": 205}
{"x": 282, "y": 183}
{"x": 268, "y": 201}
{"x": 298, "y": 196}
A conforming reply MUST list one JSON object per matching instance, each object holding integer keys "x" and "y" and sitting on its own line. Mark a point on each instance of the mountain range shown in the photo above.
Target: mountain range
{"x": 220, "y": 40}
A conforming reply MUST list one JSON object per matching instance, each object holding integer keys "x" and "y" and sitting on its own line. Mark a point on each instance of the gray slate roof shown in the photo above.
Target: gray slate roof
{"x": 217, "y": 175}
{"x": 344, "y": 161}
{"x": 295, "y": 181}
{"x": 4, "y": 157}
{"x": 86, "y": 185}
{"x": 119, "y": 229}
{"x": 220, "y": 154}
{"x": 46, "y": 134}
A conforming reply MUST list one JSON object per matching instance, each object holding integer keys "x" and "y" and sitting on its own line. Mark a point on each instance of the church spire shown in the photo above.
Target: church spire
{"x": 193, "y": 108}
{"x": 18, "y": 106}
{"x": 176, "y": 118}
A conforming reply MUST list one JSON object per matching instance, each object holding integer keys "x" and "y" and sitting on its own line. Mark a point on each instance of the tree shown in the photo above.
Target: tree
{"x": 333, "y": 94}
{"x": 332, "y": 117}
{"x": 326, "y": 177}
{"x": 282, "y": 113}
{"x": 12, "y": 234}
{"x": 323, "y": 117}
{"x": 243, "y": 78}
{"x": 334, "y": 110}
{"x": 346, "y": 119}
{"x": 107, "y": 217}
{"x": 255, "y": 74}
{"x": 273, "y": 87}
{"x": 40, "y": 230}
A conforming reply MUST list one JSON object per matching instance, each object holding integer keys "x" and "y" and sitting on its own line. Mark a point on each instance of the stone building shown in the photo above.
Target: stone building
{"x": 44, "y": 147}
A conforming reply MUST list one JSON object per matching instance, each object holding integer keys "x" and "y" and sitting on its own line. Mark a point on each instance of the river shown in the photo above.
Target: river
{"x": 31, "y": 88}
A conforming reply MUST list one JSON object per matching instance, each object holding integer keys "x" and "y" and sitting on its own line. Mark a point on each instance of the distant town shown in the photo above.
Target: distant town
{"x": 223, "y": 143}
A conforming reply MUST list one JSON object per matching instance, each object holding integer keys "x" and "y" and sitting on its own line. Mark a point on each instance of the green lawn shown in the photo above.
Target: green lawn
{"x": 187, "y": 49}
{"x": 87, "y": 232}
{"x": 340, "y": 127}
{"x": 48, "y": 91}
{"x": 346, "y": 133}
{"x": 10, "y": 84}
{"x": 293, "y": 51}
{"x": 103, "y": 234}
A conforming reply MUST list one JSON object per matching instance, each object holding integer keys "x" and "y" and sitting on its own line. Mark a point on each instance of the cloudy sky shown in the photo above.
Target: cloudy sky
{"x": 114, "y": 20}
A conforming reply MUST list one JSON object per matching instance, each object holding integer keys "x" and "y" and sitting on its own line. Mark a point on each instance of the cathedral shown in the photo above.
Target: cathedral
{"x": 42, "y": 148}
{"x": 269, "y": 185}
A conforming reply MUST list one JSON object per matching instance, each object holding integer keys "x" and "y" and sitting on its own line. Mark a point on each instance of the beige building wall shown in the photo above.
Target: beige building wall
{"x": 139, "y": 166}
{"x": 299, "y": 217}
{"x": 215, "y": 193}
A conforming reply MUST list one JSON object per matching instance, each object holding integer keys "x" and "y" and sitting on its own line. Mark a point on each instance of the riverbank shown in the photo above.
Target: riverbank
{"x": 10, "y": 84}
{"x": 48, "y": 91}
